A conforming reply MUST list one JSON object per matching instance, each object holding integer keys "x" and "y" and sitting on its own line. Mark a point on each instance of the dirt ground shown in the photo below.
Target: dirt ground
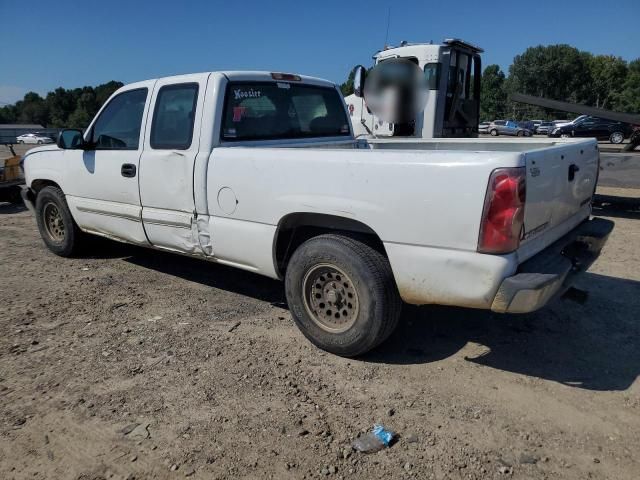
{"x": 130, "y": 363}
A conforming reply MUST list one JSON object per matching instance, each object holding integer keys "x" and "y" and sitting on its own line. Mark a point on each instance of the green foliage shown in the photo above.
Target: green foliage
{"x": 629, "y": 98}
{"x": 608, "y": 74}
{"x": 562, "y": 72}
{"x": 61, "y": 107}
{"x": 493, "y": 95}
{"x": 347, "y": 87}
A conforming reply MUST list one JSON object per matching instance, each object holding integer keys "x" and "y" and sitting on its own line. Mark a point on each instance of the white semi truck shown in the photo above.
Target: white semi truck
{"x": 452, "y": 70}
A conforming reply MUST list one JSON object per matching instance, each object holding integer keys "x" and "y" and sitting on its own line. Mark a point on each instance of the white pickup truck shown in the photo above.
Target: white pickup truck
{"x": 261, "y": 171}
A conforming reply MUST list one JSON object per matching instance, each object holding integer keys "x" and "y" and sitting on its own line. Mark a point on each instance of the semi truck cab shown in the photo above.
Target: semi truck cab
{"x": 453, "y": 72}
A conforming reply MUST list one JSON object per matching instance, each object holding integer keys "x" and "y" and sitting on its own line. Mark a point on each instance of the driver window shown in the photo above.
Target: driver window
{"x": 118, "y": 126}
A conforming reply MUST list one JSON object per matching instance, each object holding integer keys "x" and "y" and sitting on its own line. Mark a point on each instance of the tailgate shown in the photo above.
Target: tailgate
{"x": 560, "y": 183}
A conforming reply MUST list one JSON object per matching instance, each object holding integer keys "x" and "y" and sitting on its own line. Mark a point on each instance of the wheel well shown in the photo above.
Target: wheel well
{"x": 38, "y": 185}
{"x": 296, "y": 228}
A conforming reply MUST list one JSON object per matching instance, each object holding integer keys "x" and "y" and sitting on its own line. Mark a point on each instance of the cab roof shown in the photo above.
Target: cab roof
{"x": 243, "y": 76}
{"x": 414, "y": 49}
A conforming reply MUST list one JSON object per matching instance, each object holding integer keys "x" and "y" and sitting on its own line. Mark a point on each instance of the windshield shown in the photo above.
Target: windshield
{"x": 275, "y": 110}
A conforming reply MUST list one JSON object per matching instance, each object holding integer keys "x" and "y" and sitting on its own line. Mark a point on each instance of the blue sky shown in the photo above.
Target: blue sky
{"x": 67, "y": 43}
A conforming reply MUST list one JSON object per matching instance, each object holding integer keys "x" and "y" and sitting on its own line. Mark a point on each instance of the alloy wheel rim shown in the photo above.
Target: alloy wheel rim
{"x": 53, "y": 223}
{"x": 615, "y": 138}
{"x": 330, "y": 298}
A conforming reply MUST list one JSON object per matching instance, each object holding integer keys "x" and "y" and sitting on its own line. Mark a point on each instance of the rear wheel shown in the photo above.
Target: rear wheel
{"x": 520, "y": 133}
{"x": 616, "y": 137}
{"x": 493, "y": 132}
{"x": 55, "y": 223}
{"x": 342, "y": 294}
{"x": 565, "y": 135}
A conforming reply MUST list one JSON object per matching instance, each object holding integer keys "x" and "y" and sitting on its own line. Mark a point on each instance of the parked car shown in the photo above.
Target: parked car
{"x": 544, "y": 128}
{"x": 527, "y": 125}
{"x": 562, "y": 123}
{"x": 483, "y": 127}
{"x": 261, "y": 171}
{"x": 536, "y": 124}
{"x": 507, "y": 127}
{"x": 36, "y": 138}
{"x": 599, "y": 128}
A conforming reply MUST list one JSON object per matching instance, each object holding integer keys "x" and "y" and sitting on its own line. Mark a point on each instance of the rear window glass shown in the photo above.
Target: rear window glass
{"x": 173, "y": 117}
{"x": 273, "y": 110}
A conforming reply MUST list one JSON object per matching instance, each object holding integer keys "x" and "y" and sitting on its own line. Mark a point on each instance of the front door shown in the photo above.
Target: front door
{"x": 104, "y": 194}
{"x": 171, "y": 146}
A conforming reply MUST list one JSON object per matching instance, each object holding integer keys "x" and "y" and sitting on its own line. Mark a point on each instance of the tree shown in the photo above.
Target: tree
{"x": 104, "y": 91}
{"x": 86, "y": 108}
{"x": 559, "y": 72}
{"x": 61, "y": 107}
{"x": 628, "y": 99}
{"x": 608, "y": 74}
{"x": 492, "y": 96}
{"x": 347, "y": 87}
{"x": 60, "y": 103}
{"x": 32, "y": 109}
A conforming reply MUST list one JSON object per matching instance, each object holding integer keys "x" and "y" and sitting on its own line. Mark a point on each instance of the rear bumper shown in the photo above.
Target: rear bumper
{"x": 550, "y": 272}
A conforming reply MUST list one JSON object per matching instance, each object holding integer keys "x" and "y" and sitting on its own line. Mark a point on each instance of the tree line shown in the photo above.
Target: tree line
{"x": 72, "y": 108}
{"x": 560, "y": 72}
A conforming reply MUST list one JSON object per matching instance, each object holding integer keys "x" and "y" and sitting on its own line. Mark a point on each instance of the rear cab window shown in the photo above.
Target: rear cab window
{"x": 173, "y": 116}
{"x": 282, "y": 110}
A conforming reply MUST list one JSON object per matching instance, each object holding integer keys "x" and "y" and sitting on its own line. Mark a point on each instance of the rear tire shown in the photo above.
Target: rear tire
{"x": 57, "y": 228}
{"x": 342, "y": 294}
{"x": 520, "y": 133}
{"x": 493, "y": 132}
{"x": 616, "y": 138}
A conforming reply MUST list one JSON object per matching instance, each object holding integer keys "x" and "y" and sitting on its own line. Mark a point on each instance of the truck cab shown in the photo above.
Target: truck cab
{"x": 453, "y": 72}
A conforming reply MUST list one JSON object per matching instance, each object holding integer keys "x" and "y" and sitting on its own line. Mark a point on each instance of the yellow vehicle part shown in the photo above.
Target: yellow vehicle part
{"x": 12, "y": 171}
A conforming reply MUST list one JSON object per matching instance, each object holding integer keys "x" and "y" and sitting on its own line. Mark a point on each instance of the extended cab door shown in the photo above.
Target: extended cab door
{"x": 103, "y": 188}
{"x": 166, "y": 170}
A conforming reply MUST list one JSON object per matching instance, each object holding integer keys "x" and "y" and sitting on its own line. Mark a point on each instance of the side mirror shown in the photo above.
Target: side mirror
{"x": 359, "y": 74}
{"x": 71, "y": 139}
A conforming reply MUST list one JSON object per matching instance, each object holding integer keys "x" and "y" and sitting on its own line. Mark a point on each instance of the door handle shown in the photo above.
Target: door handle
{"x": 573, "y": 168}
{"x": 128, "y": 170}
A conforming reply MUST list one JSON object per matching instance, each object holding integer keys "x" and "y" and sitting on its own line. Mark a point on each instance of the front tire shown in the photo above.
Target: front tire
{"x": 57, "y": 228}
{"x": 342, "y": 294}
{"x": 494, "y": 132}
{"x": 616, "y": 138}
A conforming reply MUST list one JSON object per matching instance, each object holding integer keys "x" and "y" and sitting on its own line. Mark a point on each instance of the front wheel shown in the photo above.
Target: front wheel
{"x": 617, "y": 138}
{"x": 342, "y": 294}
{"x": 57, "y": 228}
{"x": 520, "y": 133}
{"x": 494, "y": 132}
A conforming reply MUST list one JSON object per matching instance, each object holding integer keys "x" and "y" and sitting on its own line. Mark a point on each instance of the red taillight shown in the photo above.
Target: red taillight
{"x": 503, "y": 214}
